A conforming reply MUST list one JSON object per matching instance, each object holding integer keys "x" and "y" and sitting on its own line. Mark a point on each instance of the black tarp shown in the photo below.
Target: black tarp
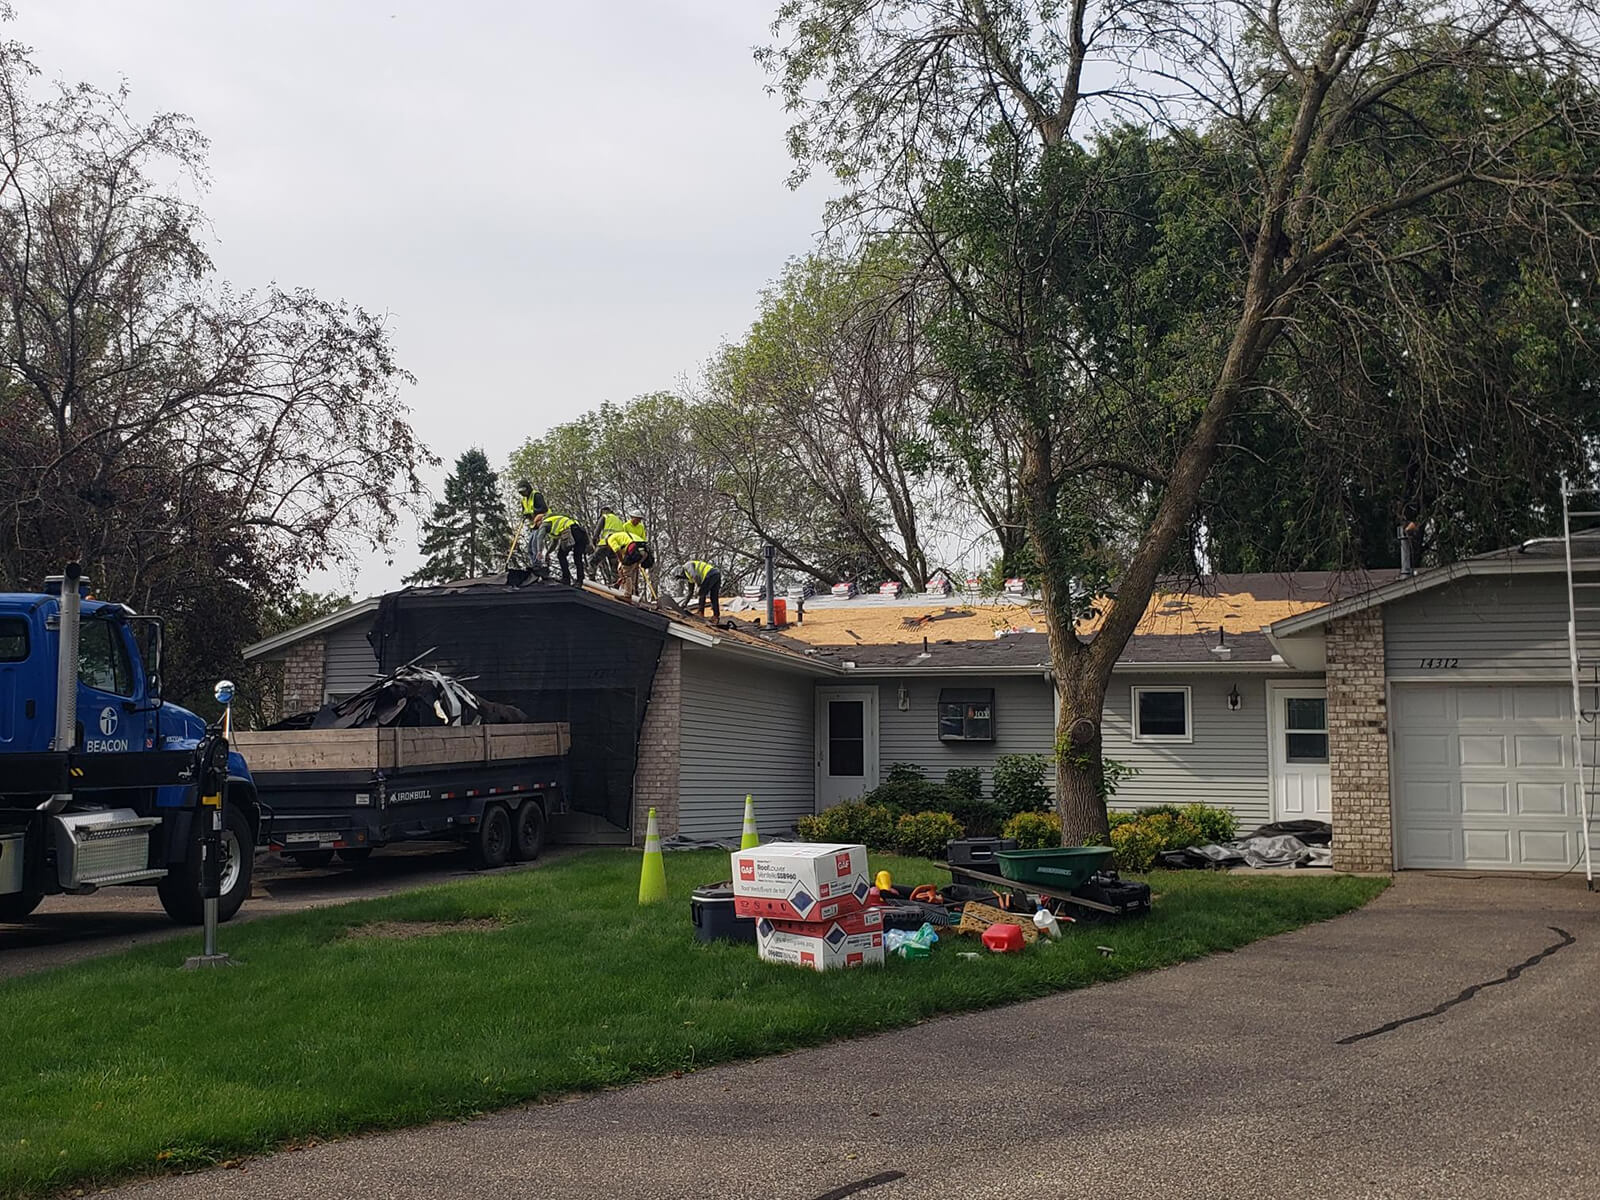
{"x": 557, "y": 653}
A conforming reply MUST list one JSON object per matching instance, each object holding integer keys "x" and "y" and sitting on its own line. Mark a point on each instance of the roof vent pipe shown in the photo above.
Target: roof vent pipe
{"x": 769, "y": 552}
{"x": 1407, "y": 569}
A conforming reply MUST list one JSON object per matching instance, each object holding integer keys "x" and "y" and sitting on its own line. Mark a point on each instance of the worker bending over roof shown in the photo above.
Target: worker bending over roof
{"x": 703, "y": 575}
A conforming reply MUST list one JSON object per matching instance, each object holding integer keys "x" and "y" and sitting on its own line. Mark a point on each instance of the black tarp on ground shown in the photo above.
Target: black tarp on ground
{"x": 557, "y": 653}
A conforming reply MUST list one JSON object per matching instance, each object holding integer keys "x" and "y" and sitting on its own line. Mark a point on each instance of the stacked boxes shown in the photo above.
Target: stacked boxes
{"x": 809, "y": 900}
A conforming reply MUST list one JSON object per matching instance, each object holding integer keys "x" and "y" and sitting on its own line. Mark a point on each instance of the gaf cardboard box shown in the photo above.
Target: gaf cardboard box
{"x": 799, "y": 881}
{"x": 823, "y": 947}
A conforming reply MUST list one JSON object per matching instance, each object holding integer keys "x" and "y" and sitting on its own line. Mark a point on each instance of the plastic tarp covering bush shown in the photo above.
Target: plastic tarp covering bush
{"x": 1268, "y": 846}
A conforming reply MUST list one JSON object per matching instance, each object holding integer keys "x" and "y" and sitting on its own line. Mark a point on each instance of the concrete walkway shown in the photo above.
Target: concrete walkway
{"x": 1361, "y": 1057}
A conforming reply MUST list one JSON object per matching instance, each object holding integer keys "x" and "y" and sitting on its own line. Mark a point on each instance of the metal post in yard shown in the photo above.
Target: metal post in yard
{"x": 213, "y": 775}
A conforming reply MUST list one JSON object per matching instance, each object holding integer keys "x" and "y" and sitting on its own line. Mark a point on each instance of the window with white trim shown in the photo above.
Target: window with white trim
{"x": 1162, "y": 714}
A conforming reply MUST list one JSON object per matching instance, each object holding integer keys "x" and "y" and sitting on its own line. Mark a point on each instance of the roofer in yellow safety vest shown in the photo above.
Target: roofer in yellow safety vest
{"x": 632, "y": 550}
{"x": 566, "y": 537}
{"x": 706, "y": 577}
{"x": 604, "y": 561}
{"x": 527, "y": 557}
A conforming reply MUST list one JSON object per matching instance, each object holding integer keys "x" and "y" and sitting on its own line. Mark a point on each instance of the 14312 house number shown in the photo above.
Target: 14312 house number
{"x": 1437, "y": 664}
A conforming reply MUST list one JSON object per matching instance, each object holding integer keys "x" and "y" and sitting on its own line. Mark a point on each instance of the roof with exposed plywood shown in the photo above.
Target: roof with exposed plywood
{"x": 1180, "y": 626}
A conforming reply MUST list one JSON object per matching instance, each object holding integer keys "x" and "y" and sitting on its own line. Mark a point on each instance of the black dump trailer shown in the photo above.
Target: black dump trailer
{"x": 348, "y": 791}
{"x": 556, "y": 653}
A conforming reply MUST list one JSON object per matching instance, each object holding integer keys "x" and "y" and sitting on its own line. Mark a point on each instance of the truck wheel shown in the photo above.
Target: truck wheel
{"x": 355, "y": 854}
{"x": 311, "y": 859}
{"x": 180, "y": 890}
{"x": 528, "y": 832}
{"x": 18, "y": 905}
{"x": 492, "y": 846}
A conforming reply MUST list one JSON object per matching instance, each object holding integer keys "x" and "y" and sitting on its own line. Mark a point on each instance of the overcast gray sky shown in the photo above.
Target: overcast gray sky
{"x": 556, "y": 204}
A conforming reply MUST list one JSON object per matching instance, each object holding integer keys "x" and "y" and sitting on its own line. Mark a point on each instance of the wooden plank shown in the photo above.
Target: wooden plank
{"x": 309, "y": 749}
{"x": 399, "y": 748}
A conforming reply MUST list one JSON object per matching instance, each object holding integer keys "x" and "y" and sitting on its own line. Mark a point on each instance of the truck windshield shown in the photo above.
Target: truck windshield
{"x": 13, "y": 639}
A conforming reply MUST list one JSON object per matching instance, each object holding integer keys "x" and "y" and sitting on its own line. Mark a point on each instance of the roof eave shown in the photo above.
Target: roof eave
{"x": 1410, "y": 585}
{"x": 299, "y": 633}
{"x": 1040, "y": 669}
{"x": 1220, "y": 667}
{"x": 767, "y": 655}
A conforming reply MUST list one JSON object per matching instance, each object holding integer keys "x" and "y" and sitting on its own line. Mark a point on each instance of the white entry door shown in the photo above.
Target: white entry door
{"x": 1297, "y": 723}
{"x": 847, "y": 744}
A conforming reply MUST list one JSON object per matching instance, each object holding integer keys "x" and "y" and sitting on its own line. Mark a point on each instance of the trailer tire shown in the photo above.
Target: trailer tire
{"x": 180, "y": 890}
{"x": 18, "y": 905}
{"x": 492, "y": 847}
{"x": 528, "y": 832}
{"x": 311, "y": 859}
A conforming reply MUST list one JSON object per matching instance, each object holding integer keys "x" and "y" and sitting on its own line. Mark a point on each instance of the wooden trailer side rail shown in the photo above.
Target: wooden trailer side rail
{"x": 396, "y": 749}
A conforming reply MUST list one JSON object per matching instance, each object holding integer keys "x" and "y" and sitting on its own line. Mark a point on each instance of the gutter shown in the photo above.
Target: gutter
{"x": 766, "y": 655}
{"x": 879, "y": 669}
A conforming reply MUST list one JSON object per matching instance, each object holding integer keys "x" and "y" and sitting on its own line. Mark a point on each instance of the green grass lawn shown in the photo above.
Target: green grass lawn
{"x": 125, "y": 1064}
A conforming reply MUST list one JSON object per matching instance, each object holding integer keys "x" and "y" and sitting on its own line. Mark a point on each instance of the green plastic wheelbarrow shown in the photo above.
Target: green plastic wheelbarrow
{"x": 1064, "y": 867}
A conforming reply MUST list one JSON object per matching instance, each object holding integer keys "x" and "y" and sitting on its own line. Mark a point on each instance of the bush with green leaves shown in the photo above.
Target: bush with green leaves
{"x": 871, "y": 825}
{"x": 1214, "y": 824}
{"x": 903, "y": 772}
{"x": 1019, "y": 783}
{"x": 1034, "y": 830}
{"x": 1112, "y": 773}
{"x": 981, "y": 818}
{"x": 925, "y": 834}
{"x": 1166, "y": 827}
{"x": 1136, "y": 844}
{"x": 968, "y": 781}
{"x": 906, "y": 789}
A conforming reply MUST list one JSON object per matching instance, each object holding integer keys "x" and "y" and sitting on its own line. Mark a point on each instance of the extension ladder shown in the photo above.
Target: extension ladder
{"x": 1581, "y": 525}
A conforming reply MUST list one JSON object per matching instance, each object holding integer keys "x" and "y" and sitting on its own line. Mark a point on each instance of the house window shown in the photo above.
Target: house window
{"x": 1161, "y": 714}
{"x": 966, "y": 716}
{"x": 1305, "y": 729}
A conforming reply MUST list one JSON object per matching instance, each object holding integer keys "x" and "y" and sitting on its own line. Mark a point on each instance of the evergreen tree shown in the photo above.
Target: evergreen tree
{"x": 468, "y": 533}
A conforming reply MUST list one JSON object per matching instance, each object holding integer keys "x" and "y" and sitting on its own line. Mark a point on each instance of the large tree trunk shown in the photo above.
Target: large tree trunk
{"x": 1080, "y": 791}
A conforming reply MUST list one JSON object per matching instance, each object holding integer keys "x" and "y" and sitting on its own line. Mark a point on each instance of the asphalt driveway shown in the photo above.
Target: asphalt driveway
{"x": 1438, "y": 1043}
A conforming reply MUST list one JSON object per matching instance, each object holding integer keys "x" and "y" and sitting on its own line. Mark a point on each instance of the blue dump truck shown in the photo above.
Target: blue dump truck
{"x": 100, "y": 779}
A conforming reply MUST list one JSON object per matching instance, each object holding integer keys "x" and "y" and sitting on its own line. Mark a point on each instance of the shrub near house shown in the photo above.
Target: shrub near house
{"x": 1138, "y": 837}
{"x": 908, "y": 814}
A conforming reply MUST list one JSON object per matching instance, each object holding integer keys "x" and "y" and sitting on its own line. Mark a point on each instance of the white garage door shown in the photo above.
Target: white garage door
{"x": 1484, "y": 778}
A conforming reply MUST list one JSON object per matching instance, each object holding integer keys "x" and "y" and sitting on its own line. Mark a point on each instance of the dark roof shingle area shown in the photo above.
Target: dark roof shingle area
{"x": 1033, "y": 650}
{"x": 1014, "y": 650}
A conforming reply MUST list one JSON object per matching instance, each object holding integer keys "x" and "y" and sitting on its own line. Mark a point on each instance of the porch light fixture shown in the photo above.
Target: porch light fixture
{"x": 1233, "y": 698}
{"x": 904, "y": 698}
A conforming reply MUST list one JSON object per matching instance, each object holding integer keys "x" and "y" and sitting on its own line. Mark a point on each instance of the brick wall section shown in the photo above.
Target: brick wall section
{"x": 1358, "y": 744}
{"x": 655, "y": 778}
{"x": 302, "y": 677}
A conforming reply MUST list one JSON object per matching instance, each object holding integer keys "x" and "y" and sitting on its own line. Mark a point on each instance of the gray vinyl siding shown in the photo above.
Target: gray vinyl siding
{"x": 1512, "y": 625}
{"x": 348, "y": 663}
{"x": 743, "y": 730}
{"x": 1225, "y": 765}
{"x": 1024, "y": 723}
